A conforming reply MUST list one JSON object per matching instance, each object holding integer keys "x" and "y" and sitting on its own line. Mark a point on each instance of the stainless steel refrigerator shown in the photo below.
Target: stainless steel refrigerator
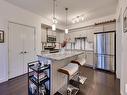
{"x": 104, "y": 50}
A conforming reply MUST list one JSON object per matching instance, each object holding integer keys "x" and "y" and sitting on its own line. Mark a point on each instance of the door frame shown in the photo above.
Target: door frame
{"x": 9, "y": 41}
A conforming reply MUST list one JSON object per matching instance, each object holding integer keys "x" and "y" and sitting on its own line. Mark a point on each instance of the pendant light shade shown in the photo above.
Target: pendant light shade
{"x": 66, "y": 29}
{"x": 54, "y": 27}
{"x": 54, "y": 17}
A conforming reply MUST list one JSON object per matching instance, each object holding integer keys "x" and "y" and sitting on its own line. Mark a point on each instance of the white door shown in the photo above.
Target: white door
{"x": 15, "y": 50}
{"x": 21, "y": 48}
{"x": 29, "y": 46}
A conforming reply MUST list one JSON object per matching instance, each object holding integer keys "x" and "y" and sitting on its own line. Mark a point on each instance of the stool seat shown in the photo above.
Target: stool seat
{"x": 79, "y": 61}
{"x": 70, "y": 69}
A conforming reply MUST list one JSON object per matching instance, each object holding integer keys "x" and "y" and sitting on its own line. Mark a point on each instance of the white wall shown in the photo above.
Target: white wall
{"x": 118, "y": 43}
{"x": 12, "y": 13}
{"x": 3, "y": 55}
{"x": 123, "y": 37}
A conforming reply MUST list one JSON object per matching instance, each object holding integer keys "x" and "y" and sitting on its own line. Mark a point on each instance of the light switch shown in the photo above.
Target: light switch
{"x": 126, "y": 88}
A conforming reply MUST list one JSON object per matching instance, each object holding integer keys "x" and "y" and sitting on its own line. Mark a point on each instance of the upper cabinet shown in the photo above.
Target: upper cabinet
{"x": 59, "y": 35}
{"x": 83, "y": 32}
{"x": 110, "y": 27}
{"x": 89, "y": 31}
{"x": 98, "y": 28}
{"x": 43, "y": 35}
{"x": 105, "y": 27}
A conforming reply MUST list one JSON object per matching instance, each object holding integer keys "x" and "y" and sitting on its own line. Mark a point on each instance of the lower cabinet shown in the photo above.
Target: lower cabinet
{"x": 89, "y": 58}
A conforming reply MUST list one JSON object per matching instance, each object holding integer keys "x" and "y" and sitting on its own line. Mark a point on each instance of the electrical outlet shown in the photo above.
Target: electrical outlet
{"x": 126, "y": 88}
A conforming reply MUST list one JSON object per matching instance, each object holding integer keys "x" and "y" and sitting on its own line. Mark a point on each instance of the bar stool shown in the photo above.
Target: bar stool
{"x": 70, "y": 70}
{"x": 80, "y": 61}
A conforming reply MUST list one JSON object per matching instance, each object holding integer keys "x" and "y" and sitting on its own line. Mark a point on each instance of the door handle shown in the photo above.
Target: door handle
{"x": 25, "y": 52}
{"x": 21, "y": 52}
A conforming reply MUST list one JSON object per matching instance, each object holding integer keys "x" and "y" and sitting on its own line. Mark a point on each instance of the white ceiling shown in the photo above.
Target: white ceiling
{"x": 92, "y": 8}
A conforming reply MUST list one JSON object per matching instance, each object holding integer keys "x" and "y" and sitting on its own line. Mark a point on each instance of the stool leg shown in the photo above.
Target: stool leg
{"x": 78, "y": 75}
{"x": 68, "y": 92}
{"x": 81, "y": 77}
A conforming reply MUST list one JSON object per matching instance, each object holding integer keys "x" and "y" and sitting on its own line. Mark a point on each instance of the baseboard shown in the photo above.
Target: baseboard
{"x": 91, "y": 66}
{"x": 3, "y": 80}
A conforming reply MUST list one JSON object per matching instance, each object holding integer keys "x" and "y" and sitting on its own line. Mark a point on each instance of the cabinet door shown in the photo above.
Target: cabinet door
{"x": 15, "y": 50}
{"x": 43, "y": 35}
{"x": 89, "y": 59}
{"x": 110, "y": 27}
{"x": 29, "y": 46}
{"x": 62, "y": 37}
{"x": 98, "y": 28}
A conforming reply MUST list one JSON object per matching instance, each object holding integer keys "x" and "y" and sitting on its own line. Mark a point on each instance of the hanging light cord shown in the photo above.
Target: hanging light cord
{"x": 66, "y": 17}
{"x": 54, "y": 9}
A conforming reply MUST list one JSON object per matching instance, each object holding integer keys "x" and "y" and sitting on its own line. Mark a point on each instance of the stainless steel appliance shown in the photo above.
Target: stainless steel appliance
{"x": 104, "y": 49}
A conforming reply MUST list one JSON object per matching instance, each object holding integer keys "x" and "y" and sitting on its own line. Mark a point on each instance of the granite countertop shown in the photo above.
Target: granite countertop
{"x": 61, "y": 56}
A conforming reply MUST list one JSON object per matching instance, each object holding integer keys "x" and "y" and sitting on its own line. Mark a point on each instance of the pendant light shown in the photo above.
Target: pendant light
{"x": 54, "y": 17}
{"x": 66, "y": 29}
{"x": 54, "y": 27}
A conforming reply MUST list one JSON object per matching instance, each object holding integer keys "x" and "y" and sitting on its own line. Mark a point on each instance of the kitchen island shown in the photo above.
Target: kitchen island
{"x": 57, "y": 61}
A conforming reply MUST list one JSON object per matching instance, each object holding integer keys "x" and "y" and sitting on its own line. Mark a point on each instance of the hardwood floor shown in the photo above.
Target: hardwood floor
{"x": 17, "y": 86}
{"x": 98, "y": 83}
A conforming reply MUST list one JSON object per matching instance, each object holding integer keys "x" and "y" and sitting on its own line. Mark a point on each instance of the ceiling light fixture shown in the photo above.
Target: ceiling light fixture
{"x": 66, "y": 29}
{"x": 55, "y": 20}
{"x": 82, "y": 18}
{"x": 79, "y": 18}
{"x": 54, "y": 16}
{"x": 73, "y": 21}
